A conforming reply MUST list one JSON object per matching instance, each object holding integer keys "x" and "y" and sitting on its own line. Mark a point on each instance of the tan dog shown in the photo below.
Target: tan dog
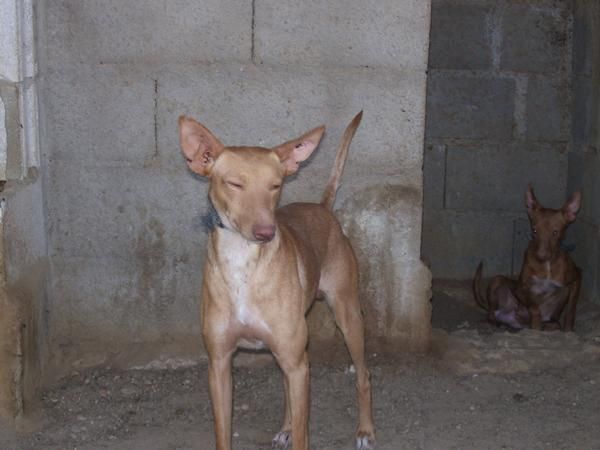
{"x": 548, "y": 285}
{"x": 264, "y": 268}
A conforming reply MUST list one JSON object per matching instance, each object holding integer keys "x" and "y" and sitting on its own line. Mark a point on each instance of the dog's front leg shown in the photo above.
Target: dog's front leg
{"x": 219, "y": 380}
{"x": 296, "y": 373}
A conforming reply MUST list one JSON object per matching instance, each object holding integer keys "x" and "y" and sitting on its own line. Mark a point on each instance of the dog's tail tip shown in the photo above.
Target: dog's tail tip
{"x": 340, "y": 160}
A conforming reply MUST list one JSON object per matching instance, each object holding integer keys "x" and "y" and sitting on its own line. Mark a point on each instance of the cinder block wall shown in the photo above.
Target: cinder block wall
{"x": 498, "y": 118}
{"x": 584, "y": 160}
{"x": 125, "y": 238}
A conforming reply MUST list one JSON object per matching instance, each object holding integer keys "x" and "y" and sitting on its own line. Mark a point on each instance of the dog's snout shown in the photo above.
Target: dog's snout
{"x": 263, "y": 233}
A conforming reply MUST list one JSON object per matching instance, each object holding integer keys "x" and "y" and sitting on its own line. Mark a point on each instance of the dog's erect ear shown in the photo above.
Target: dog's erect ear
{"x": 571, "y": 207}
{"x": 530, "y": 200}
{"x": 292, "y": 153}
{"x": 198, "y": 145}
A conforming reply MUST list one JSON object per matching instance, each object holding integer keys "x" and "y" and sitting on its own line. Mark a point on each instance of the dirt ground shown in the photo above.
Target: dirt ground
{"x": 480, "y": 387}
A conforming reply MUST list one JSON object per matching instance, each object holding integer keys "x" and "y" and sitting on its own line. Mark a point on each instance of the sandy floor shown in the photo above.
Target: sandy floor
{"x": 479, "y": 388}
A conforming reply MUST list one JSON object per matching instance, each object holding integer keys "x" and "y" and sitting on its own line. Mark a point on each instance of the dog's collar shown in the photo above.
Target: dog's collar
{"x": 211, "y": 218}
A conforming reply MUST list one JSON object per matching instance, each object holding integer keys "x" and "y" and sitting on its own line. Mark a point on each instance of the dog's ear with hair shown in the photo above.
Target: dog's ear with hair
{"x": 530, "y": 200}
{"x": 199, "y": 146}
{"x": 571, "y": 207}
{"x": 293, "y": 152}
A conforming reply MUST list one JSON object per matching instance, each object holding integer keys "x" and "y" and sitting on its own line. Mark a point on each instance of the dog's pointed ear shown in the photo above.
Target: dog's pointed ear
{"x": 199, "y": 146}
{"x": 571, "y": 207}
{"x": 530, "y": 200}
{"x": 292, "y": 153}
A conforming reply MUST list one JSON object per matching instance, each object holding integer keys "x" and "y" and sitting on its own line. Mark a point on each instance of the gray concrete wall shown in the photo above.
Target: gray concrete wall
{"x": 498, "y": 118}
{"x": 584, "y": 159}
{"x": 23, "y": 245}
{"x": 124, "y": 230}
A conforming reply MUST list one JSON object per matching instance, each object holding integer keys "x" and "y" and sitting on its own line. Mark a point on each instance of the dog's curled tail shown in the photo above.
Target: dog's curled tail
{"x": 328, "y": 198}
{"x": 479, "y": 297}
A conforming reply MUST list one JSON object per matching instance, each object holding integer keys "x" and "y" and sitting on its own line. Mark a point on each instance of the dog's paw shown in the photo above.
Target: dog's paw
{"x": 282, "y": 440}
{"x": 365, "y": 440}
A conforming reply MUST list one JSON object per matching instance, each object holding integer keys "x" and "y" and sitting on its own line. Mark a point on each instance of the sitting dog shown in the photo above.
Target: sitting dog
{"x": 548, "y": 286}
{"x": 264, "y": 268}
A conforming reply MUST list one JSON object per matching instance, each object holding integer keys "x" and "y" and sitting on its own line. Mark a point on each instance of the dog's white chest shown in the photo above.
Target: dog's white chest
{"x": 238, "y": 261}
{"x": 544, "y": 286}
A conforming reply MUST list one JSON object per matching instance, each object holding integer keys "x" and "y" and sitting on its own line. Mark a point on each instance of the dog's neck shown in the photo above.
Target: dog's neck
{"x": 229, "y": 246}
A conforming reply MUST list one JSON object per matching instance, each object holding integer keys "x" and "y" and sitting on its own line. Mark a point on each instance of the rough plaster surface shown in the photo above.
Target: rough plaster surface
{"x": 125, "y": 239}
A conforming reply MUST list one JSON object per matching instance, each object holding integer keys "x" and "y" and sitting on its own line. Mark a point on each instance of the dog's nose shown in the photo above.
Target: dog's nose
{"x": 263, "y": 233}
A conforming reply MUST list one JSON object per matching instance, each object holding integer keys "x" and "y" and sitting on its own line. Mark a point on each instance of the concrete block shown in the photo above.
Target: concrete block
{"x": 11, "y": 123}
{"x": 582, "y": 38}
{"x": 108, "y": 211}
{"x": 100, "y": 114}
{"x": 454, "y": 243}
{"x": 434, "y": 176}
{"x": 494, "y": 178}
{"x": 387, "y": 33}
{"x": 9, "y": 41}
{"x": 547, "y": 109}
{"x": 582, "y": 108}
{"x": 260, "y": 105}
{"x": 586, "y": 255}
{"x": 521, "y": 238}
{"x": 533, "y": 39}
{"x": 115, "y": 300}
{"x": 469, "y": 108}
{"x": 383, "y": 223}
{"x": 23, "y": 282}
{"x": 115, "y": 31}
{"x": 460, "y": 38}
{"x": 589, "y": 183}
{"x": 3, "y": 140}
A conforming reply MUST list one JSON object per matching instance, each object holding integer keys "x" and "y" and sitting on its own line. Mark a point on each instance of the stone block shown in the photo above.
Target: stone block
{"x": 585, "y": 236}
{"x": 115, "y": 31}
{"x": 383, "y": 222}
{"x": 521, "y": 238}
{"x": 260, "y": 105}
{"x": 494, "y": 178}
{"x": 149, "y": 299}
{"x": 9, "y": 41}
{"x": 469, "y": 108}
{"x": 533, "y": 39}
{"x": 115, "y": 211}
{"x": 460, "y": 38}
{"x": 454, "y": 243}
{"x": 100, "y": 114}
{"x": 547, "y": 109}
{"x": 387, "y": 33}
{"x": 11, "y": 130}
{"x": 582, "y": 38}
{"x": 582, "y": 108}
{"x": 434, "y": 176}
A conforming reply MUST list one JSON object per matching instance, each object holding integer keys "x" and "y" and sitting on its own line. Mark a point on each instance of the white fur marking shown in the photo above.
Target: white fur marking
{"x": 544, "y": 286}
{"x": 238, "y": 261}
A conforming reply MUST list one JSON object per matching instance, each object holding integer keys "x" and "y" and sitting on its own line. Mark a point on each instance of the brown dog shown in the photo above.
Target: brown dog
{"x": 548, "y": 285}
{"x": 264, "y": 268}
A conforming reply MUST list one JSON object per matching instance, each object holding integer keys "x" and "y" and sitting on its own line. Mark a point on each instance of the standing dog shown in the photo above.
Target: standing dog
{"x": 548, "y": 285}
{"x": 264, "y": 268}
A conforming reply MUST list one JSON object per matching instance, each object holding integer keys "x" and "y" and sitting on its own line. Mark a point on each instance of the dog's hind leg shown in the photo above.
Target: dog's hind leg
{"x": 341, "y": 293}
